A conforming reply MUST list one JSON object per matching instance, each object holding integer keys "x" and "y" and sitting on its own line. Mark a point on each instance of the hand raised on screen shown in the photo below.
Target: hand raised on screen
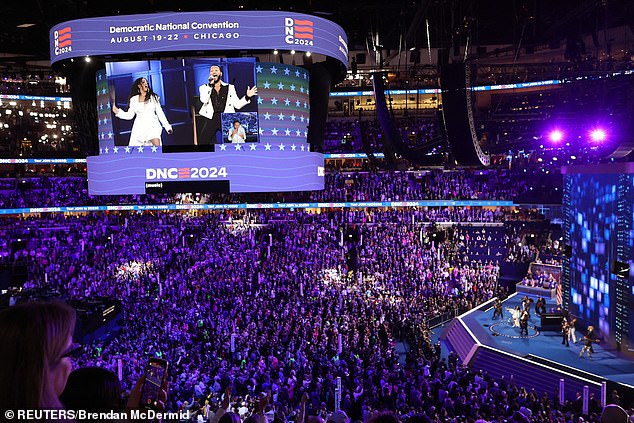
{"x": 251, "y": 91}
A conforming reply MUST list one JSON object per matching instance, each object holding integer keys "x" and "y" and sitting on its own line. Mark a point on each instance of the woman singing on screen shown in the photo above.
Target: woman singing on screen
{"x": 145, "y": 105}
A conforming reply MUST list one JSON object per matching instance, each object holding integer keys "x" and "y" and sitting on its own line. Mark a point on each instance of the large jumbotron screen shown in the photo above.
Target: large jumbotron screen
{"x": 210, "y": 123}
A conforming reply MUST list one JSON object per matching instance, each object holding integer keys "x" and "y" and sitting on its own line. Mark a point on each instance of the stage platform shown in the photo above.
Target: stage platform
{"x": 537, "y": 268}
{"x": 538, "y": 360}
{"x": 534, "y": 291}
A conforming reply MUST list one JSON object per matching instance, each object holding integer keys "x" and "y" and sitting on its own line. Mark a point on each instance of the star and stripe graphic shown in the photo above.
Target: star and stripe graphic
{"x": 283, "y": 110}
{"x": 283, "y": 102}
{"x": 105, "y": 131}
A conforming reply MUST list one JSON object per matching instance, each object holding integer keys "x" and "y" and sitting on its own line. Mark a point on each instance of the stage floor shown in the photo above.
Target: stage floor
{"x": 500, "y": 334}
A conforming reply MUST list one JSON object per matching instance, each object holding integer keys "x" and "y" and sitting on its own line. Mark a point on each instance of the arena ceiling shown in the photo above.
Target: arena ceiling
{"x": 24, "y": 24}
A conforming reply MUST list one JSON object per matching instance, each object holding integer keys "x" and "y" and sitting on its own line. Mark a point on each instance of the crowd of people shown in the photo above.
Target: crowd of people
{"x": 484, "y": 243}
{"x": 347, "y": 135}
{"x": 541, "y": 279}
{"x": 499, "y": 184}
{"x": 429, "y": 185}
{"x": 285, "y": 302}
{"x": 293, "y": 314}
{"x": 527, "y": 241}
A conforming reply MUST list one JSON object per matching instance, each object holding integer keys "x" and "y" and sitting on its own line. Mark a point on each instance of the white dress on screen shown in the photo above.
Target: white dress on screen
{"x": 515, "y": 315}
{"x": 147, "y": 124}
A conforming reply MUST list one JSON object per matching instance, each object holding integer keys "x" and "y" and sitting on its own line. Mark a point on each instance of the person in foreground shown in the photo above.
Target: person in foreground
{"x": 93, "y": 389}
{"x": 34, "y": 363}
{"x": 36, "y": 360}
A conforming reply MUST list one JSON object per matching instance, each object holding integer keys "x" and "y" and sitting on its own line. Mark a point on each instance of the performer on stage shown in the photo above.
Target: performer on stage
{"x": 145, "y": 108}
{"x": 571, "y": 331}
{"x": 540, "y": 306}
{"x": 497, "y": 308}
{"x": 515, "y": 315}
{"x": 219, "y": 97}
{"x": 526, "y": 305}
{"x": 587, "y": 343}
{"x": 524, "y": 323}
{"x": 564, "y": 331}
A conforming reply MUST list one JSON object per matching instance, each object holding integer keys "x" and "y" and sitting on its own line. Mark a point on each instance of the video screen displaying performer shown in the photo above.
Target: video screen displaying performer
{"x": 271, "y": 101}
{"x": 218, "y": 96}
{"x": 145, "y": 109}
{"x": 188, "y": 98}
{"x": 240, "y": 127}
{"x": 203, "y": 125}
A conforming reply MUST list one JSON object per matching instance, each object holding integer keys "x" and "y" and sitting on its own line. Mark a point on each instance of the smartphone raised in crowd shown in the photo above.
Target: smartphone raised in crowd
{"x": 155, "y": 373}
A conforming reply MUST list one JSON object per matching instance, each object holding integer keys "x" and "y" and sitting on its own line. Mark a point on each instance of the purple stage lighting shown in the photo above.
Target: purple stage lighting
{"x": 556, "y": 135}
{"x": 598, "y": 135}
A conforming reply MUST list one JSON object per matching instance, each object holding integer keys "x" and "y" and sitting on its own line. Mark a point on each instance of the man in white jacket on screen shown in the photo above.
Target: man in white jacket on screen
{"x": 219, "y": 97}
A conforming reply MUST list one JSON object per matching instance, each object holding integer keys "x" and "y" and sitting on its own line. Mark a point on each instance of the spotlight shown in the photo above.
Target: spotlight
{"x": 308, "y": 54}
{"x": 556, "y": 136}
{"x": 598, "y": 135}
{"x": 87, "y": 59}
{"x": 292, "y": 51}
{"x": 275, "y": 51}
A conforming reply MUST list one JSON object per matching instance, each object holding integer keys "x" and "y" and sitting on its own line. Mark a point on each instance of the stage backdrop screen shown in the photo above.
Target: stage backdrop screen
{"x": 599, "y": 218}
{"x": 203, "y": 125}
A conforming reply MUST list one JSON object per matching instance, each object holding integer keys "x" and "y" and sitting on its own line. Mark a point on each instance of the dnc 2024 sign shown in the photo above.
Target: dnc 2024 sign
{"x": 195, "y": 31}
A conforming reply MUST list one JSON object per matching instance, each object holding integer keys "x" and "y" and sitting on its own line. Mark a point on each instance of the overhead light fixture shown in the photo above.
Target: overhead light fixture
{"x": 275, "y": 51}
{"x": 598, "y": 134}
{"x": 292, "y": 51}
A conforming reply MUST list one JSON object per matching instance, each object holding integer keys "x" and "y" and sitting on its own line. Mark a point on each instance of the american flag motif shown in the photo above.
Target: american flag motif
{"x": 104, "y": 114}
{"x": 283, "y": 102}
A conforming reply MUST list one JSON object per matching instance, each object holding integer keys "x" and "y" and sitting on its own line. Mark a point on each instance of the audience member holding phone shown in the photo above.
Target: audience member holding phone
{"x": 155, "y": 374}
{"x": 150, "y": 390}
